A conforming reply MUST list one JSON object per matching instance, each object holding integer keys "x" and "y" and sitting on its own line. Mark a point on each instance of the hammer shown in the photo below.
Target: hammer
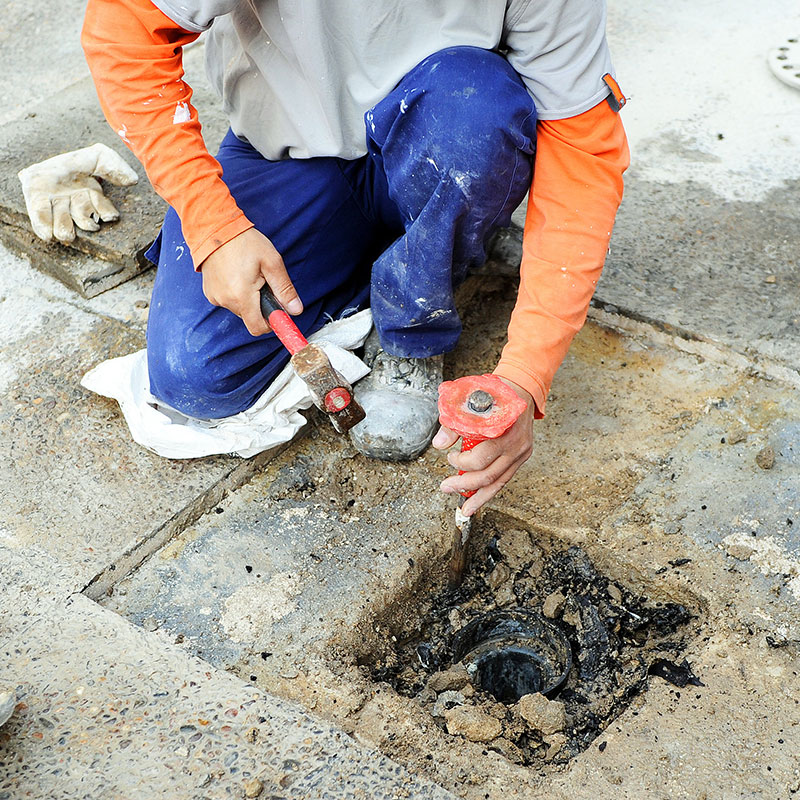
{"x": 331, "y": 393}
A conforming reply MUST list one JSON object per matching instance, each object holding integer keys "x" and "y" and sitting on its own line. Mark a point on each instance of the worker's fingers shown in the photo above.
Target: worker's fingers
{"x": 104, "y": 208}
{"x": 250, "y": 312}
{"x": 444, "y": 438}
{"x": 275, "y": 274}
{"x": 479, "y": 479}
{"x": 274, "y": 271}
{"x": 484, "y": 495}
{"x": 63, "y": 229}
{"x": 82, "y": 211}
{"x": 234, "y": 274}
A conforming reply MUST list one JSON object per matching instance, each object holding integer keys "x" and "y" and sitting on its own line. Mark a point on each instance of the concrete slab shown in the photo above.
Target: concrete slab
{"x": 310, "y": 561}
{"x": 304, "y": 554}
{"x": 704, "y": 238}
{"x": 40, "y": 53}
{"x": 707, "y": 267}
{"x": 67, "y": 121}
{"x": 73, "y": 482}
{"x": 108, "y": 710}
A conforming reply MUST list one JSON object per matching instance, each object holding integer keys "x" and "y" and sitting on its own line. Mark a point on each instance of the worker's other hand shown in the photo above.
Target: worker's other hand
{"x": 490, "y": 465}
{"x": 234, "y": 274}
{"x": 64, "y": 189}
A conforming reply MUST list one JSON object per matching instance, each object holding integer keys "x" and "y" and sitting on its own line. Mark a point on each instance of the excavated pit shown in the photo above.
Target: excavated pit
{"x": 543, "y": 618}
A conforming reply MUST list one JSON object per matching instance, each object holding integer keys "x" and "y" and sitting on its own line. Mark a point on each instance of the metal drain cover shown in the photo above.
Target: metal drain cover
{"x": 514, "y": 652}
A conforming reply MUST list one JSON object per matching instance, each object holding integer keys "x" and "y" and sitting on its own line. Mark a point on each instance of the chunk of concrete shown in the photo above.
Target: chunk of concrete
{"x": 553, "y": 605}
{"x": 472, "y": 724}
{"x": 547, "y": 716}
{"x": 456, "y": 677}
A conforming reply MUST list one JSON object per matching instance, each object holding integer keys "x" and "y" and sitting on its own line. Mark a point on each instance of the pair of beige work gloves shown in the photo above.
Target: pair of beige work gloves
{"x": 64, "y": 191}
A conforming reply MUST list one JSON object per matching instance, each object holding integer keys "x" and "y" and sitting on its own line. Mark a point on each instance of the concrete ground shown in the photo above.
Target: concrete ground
{"x": 203, "y": 629}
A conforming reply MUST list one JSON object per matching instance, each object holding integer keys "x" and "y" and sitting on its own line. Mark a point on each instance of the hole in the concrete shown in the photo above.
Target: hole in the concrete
{"x": 535, "y": 619}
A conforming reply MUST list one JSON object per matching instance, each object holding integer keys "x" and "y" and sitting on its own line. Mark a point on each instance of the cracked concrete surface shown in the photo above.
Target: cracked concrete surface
{"x": 153, "y": 681}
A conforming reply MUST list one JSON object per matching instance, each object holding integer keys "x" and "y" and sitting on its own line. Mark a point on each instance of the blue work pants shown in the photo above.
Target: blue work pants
{"x": 449, "y": 158}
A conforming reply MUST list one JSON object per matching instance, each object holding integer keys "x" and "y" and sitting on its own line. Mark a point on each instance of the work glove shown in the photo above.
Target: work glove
{"x": 63, "y": 189}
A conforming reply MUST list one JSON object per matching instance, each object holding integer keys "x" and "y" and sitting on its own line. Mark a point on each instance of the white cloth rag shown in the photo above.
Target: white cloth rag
{"x": 273, "y": 419}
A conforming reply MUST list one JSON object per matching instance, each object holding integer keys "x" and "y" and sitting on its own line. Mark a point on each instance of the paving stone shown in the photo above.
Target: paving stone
{"x": 73, "y": 483}
{"x": 107, "y": 710}
{"x": 69, "y": 121}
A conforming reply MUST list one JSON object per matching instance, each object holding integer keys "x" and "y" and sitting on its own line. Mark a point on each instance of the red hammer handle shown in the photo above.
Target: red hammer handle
{"x": 467, "y": 443}
{"x": 281, "y": 323}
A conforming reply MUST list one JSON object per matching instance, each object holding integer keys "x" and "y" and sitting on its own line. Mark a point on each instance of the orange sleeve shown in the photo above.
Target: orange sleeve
{"x": 135, "y": 57}
{"x": 573, "y": 201}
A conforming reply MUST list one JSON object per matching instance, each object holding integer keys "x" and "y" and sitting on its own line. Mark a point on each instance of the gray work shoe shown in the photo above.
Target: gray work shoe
{"x": 7, "y": 702}
{"x": 400, "y": 397}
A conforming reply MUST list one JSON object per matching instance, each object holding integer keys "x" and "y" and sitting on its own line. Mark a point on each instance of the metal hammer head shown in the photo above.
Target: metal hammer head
{"x": 331, "y": 393}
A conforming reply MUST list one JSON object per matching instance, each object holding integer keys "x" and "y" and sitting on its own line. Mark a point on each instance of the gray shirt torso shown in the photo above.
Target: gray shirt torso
{"x": 296, "y": 76}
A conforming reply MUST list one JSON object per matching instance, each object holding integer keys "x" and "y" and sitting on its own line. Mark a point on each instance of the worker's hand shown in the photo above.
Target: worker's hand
{"x": 234, "y": 274}
{"x": 490, "y": 465}
{"x": 63, "y": 189}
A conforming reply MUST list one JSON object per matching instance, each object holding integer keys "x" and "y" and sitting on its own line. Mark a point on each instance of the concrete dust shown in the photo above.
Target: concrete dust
{"x": 251, "y": 609}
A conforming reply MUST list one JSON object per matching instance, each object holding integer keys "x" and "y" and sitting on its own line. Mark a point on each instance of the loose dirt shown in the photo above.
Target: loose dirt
{"x": 617, "y": 637}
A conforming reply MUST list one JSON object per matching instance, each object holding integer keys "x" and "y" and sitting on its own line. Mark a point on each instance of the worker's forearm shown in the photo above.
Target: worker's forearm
{"x": 134, "y": 54}
{"x": 574, "y": 198}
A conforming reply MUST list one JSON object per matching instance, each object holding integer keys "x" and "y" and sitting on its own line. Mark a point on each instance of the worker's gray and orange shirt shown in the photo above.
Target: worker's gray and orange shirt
{"x": 296, "y": 77}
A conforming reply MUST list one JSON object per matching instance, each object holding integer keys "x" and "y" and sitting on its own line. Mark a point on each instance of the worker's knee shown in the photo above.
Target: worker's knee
{"x": 462, "y": 100}
{"x": 462, "y": 115}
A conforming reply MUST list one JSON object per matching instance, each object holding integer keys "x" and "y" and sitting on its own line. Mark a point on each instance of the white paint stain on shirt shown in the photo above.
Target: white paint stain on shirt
{"x": 182, "y": 114}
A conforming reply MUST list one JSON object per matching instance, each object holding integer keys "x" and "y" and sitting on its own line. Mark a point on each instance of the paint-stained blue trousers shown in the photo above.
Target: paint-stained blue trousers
{"x": 449, "y": 158}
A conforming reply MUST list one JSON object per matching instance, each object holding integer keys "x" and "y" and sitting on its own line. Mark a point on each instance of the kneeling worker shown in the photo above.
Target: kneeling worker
{"x": 374, "y": 149}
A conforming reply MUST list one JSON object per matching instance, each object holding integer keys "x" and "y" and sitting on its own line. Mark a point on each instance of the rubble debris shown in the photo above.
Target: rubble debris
{"x": 677, "y": 674}
{"x": 612, "y": 634}
{"x": 738, "y": 550}
{"x": 765, "y": 458}
{"x": 456, "y": 677}
{"x": 614, "y": 593}
{"x": 555, "y": 743}
{"x": 472, "y": 724}
{"x": 518, "y": 550}
{"x": 546, "y": 716}
{"x": 498, "y": 576}
{"x": 553, "y": 605}
{"x": 737, "y": 435}
{"x": 447, "y": 701}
